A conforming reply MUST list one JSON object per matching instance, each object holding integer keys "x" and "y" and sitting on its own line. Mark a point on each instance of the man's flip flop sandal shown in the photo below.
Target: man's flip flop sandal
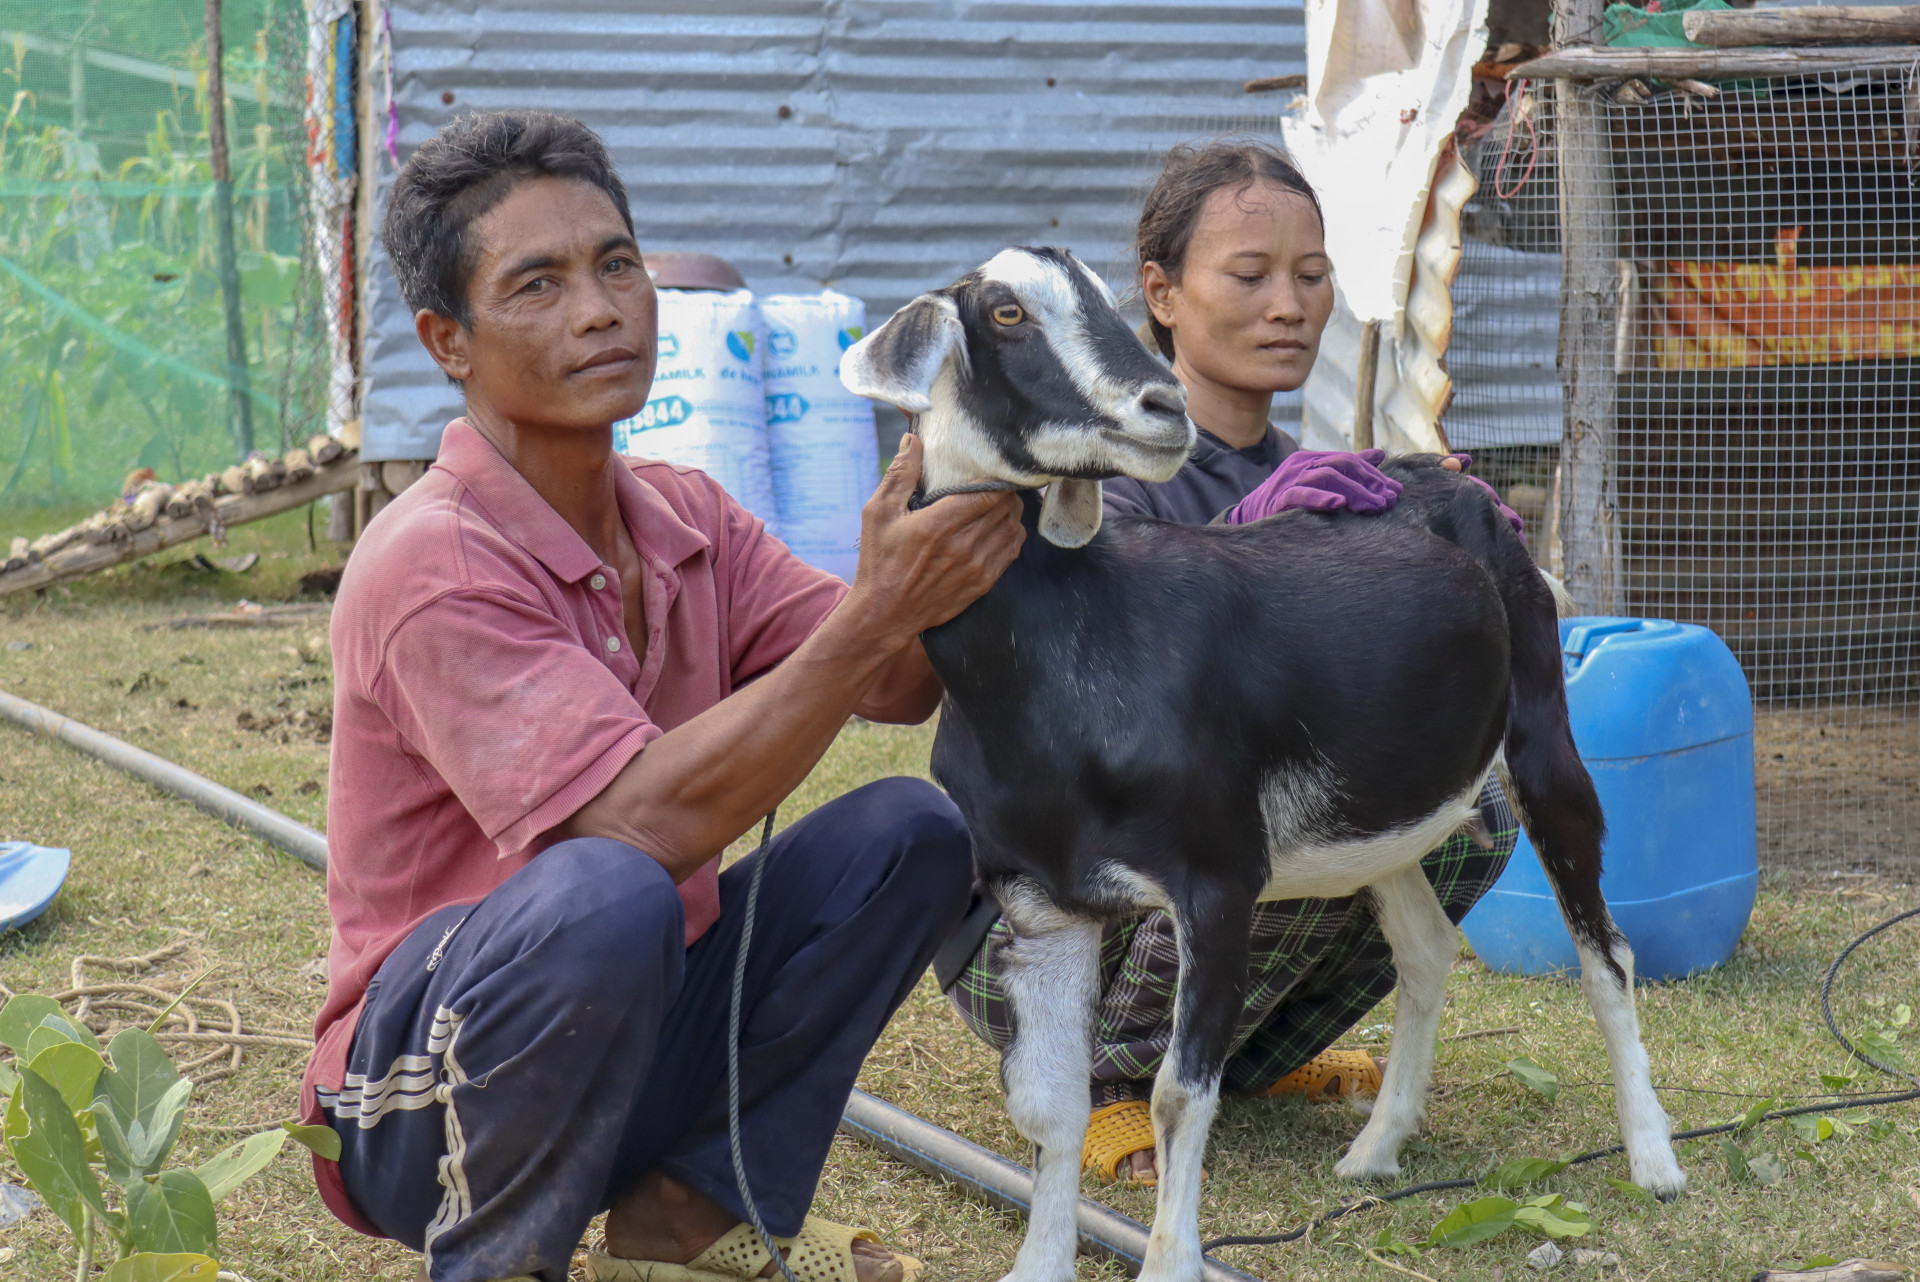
{"x": 1331, "y": 1075}
{"x": 822, "y": 1252}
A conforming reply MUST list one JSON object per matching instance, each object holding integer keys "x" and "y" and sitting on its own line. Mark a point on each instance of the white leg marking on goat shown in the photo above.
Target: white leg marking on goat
{"x": 1644, "y": 1127}
{"x": 1182, "y": 1118}
{"x": 1424, "y": 945}
{"x": 1052, "y": 977}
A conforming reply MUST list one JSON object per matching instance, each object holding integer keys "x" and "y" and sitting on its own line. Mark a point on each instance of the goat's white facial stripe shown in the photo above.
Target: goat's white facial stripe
{"x": 1046, "y": 291}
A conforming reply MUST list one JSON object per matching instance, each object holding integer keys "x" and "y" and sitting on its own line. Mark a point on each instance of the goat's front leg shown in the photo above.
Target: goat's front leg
{"x": 1424, "y": 945}
{"x": 1186, "y": 1092}
{"x": 1052, "y": 975}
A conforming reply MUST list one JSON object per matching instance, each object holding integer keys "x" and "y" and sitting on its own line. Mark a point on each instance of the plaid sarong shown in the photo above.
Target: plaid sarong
{"x": 1317, "y": 967}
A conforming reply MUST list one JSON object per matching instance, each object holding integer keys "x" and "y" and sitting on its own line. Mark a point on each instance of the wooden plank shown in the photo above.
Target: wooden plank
{"x": 1710, "y": 64}
{"x": 1842, "y": 24}
{"x": 81, "y": 559}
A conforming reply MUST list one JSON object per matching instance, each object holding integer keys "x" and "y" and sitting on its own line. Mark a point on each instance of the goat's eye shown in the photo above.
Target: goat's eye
{"x": 1008, "y": 314}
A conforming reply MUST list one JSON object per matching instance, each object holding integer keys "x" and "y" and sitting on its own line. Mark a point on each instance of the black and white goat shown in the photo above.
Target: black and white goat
{"x": 1146, "y": 715}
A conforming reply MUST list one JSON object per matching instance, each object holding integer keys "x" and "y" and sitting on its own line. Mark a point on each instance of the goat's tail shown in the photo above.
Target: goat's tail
{"x": 1546, "y": 780}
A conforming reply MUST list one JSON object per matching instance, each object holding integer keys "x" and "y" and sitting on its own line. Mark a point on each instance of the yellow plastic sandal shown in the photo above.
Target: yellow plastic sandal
{"x": 1115, "y": 1133}
{"x": 821, "y": 1252}
{"x": 1331, "y": 1075}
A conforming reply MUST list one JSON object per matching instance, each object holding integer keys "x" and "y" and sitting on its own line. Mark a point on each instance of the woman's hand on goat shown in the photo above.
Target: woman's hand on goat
{"x": 919, "y": 569}
{"x": 1321, "y": 481}
{"x": 1460, "y": 463}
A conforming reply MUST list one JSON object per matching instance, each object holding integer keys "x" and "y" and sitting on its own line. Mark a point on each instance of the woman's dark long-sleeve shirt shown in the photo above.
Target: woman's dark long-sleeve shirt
{"x": 1216, "y": 477}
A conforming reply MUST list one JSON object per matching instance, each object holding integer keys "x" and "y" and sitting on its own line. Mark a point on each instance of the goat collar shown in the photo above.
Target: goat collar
{"x": 1069, "y": 515}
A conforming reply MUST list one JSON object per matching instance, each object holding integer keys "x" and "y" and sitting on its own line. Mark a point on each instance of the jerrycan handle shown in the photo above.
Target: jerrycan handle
{"x": 1583, "y": 638}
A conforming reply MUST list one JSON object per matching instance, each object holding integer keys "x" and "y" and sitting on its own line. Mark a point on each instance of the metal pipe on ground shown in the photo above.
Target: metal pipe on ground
{"x": 298, "y": 840}
{"x": 990, "y": 1178}
{"x": 978, "y": 1172}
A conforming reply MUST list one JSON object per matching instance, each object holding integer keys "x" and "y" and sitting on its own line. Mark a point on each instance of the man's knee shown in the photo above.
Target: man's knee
{"x": 600, "y": 896}
{"x": 922, "y": 827}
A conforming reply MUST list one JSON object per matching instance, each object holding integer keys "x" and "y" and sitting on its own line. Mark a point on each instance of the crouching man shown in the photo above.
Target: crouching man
{"x": 565, "y": 681}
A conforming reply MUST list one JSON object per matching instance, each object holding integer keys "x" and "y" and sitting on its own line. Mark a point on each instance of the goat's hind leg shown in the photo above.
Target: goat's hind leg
{"x": 1424, "y": 944}
{"x": 1606, "y": 976}
{"x": 1213, "y": 938}
{"x": 1052, "y": 977}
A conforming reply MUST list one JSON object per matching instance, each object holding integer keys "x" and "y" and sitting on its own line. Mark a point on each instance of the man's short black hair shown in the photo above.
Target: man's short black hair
{"x": 462, "y": 172}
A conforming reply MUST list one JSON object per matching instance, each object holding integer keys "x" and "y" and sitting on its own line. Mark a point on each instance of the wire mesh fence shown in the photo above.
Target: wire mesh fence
{"x": 113, "y": 346}
{"x": 1768, "y": 452}
{"x": 1765, "y": 449}
{"x": 1506, "y": 408}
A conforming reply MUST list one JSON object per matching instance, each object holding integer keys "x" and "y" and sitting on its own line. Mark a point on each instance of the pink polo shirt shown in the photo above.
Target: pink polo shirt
{"x": 484, "y": 689}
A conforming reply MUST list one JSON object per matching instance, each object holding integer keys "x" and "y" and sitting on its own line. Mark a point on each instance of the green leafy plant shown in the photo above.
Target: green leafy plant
{"x": 91, "y": 1129}
{"x": 1534, "y": 1077}
{"x": 1882, "y": 1039}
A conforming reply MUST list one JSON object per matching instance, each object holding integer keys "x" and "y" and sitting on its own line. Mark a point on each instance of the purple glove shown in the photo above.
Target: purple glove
{"x": 1513, "y": 517}
{"x": 1320, "y": 481}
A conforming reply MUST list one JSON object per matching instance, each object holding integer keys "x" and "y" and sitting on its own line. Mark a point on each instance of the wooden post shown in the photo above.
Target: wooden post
{"x": 1589, "y": 246}
{"x": 1364, "y": 381}
{"x": 239, "y": 384}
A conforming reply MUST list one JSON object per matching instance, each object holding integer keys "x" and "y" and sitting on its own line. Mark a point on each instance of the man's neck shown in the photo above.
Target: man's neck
{"x": 570, "y": 469}
{"x": 1234, "y": 414}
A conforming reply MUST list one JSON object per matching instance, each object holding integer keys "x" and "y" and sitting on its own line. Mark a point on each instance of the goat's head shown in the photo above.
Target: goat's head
{"x": 1023, "y": 371}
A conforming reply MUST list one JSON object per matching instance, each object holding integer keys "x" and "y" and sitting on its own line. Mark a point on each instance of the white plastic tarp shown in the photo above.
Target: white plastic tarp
{"x": 1386, "y": 80}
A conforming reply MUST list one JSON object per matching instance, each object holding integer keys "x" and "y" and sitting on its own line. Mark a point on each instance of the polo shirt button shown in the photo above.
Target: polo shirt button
{"x": 597, "y": 582}
{"x": 613, "y": 645}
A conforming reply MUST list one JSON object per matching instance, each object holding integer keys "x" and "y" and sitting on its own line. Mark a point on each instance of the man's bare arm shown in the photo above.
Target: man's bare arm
{"x": 906, "y": 692}
{"x": 702, "y": 784}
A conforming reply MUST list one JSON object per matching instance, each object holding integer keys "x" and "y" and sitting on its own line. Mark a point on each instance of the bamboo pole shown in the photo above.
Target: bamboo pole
{"x": 1710, "y": 64}
{"x": 239, "y": 389}
{"x": 1589, "y": 246}
{"x": 80, "y": 559}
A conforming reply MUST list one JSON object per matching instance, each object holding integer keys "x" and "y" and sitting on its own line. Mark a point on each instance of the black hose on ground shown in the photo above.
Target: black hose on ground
{"x": 1834, "y": 1106}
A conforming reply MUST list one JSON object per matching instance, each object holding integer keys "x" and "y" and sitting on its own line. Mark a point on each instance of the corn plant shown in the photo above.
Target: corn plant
{"x": 77, "y": 1112}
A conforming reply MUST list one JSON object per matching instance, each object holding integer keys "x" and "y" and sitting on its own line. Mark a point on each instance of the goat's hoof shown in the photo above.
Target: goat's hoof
{"x": 1361, "y": 1168}
{"x": 1664, "y": 1179}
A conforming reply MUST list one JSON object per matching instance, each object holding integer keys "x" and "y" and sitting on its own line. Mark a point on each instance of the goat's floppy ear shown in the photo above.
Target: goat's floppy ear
{"x": 1070, "y": 514}
{"x": 899, "y": 362}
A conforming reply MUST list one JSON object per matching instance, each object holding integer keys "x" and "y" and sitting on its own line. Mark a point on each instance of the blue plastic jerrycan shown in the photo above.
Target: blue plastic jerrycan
{"x": 1663, "y": 718}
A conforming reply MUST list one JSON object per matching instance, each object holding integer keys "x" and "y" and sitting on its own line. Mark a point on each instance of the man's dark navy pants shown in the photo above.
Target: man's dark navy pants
{"x": 522, "y": 1061}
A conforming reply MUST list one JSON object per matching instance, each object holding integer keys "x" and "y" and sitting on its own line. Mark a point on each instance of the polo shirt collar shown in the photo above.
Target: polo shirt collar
{"x": 522, "y": 515}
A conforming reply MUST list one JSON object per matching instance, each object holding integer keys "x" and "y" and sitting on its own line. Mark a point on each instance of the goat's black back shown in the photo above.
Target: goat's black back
{"x": 1127, "y": 701}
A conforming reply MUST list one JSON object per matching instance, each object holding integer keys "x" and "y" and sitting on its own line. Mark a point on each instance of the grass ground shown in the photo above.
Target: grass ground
{"x": 148, "y": 869}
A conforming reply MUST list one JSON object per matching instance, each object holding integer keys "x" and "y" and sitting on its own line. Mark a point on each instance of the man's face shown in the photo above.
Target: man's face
{"x": 563, "y": 315}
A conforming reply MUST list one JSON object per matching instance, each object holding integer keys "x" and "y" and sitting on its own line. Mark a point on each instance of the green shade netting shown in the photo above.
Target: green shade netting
{"x": 113, "y": 348}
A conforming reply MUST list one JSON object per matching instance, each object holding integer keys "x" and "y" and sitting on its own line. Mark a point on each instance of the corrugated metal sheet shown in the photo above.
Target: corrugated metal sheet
{"x": 918, "y": 136}
{"x": 1506, "y": 338}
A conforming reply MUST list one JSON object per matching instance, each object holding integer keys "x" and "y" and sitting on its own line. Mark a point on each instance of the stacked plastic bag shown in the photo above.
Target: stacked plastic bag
{"x": 749, "y": 392}
{"x": 708, "y": 407}
{"x": 820, "y": 436}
